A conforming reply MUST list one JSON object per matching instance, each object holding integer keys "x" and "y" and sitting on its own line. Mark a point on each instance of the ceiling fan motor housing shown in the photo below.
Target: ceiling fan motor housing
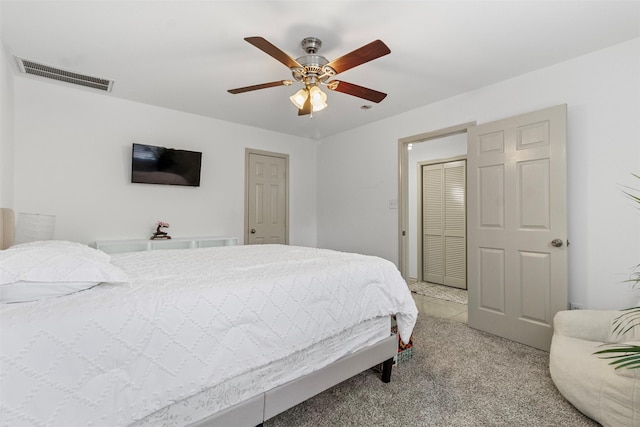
{"x": 311, "y": 62}
{"x": 314, "y": 69}
{"x": 311, "y": 44}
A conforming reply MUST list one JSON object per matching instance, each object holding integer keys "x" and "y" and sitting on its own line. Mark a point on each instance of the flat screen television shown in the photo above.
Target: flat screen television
{"x": 160, "y": 165}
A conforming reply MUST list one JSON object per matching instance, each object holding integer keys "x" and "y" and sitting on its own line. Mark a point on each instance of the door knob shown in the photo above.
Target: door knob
{"x": 557, "y": 243}
{"x": 253, "y": 231}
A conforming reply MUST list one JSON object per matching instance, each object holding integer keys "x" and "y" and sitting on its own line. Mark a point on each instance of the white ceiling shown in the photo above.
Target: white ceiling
{"x": 185, "y": 54}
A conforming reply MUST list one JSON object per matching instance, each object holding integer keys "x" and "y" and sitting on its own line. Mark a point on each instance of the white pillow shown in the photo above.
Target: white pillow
{"x": 63, "y": 245}
{"x": 33, "y": 291}
{"x": 66, "y": 266}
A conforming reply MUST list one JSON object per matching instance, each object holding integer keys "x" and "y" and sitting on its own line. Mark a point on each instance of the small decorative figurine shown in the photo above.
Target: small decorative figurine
{"x": 158, "y": 234}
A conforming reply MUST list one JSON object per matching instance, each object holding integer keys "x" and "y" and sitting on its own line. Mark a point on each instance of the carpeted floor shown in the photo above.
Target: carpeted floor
{"x": 438, "y": 291}
{"x": 458, "y": 377}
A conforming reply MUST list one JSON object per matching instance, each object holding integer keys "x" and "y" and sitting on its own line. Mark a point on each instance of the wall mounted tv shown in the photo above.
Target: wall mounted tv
{"x": 160, "y": 165}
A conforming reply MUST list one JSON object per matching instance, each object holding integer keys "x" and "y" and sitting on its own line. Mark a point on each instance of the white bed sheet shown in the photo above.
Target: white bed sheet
{"x": 190, "y": 319}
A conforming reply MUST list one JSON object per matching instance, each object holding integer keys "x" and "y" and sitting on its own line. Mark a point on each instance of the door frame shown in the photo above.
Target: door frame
{"x": 247, "y": 154}
{"x": 403, "y": 185}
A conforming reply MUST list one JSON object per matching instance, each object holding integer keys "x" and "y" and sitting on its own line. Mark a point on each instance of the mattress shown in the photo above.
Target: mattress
{"x": 264, "y": 378}
{"x": 189, "y": 320}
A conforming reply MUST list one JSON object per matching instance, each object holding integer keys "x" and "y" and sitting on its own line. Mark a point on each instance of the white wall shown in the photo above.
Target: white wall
{"x": 6, "y": 129}
{"x": 73, "y": 157}
{"x": 358, "y": 172}
{"x": 434, "y": 150}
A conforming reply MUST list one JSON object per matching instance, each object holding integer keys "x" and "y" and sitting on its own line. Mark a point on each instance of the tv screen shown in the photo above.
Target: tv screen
{"x": 160, "y": 165}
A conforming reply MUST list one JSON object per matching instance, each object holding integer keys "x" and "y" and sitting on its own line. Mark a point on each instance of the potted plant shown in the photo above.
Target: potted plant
{"x": 626, "y": 355}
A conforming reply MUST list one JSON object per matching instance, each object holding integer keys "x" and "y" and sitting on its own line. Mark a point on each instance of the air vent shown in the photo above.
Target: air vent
{"x": 30, "y": 67}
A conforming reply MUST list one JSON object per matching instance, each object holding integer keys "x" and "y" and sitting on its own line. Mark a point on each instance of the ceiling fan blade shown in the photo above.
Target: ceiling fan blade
{"x": 366, "y": 53}
{"x": 306, "y": 109}
{"x": 355, "y": 90}
{"x": 261, "y": 86}
{"x": 273, "y": 51}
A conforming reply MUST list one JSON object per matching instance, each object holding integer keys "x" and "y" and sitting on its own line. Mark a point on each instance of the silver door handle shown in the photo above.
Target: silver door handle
{"x": 253, "y": 231}
{"x": 557, "y": 243}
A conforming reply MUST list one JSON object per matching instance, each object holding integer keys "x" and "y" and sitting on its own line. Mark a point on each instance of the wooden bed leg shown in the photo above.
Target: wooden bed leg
{"x": 386, "y": 370}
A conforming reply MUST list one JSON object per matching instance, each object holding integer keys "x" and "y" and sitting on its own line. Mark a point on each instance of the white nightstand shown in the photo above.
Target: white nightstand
{"x": 136, "y": 245}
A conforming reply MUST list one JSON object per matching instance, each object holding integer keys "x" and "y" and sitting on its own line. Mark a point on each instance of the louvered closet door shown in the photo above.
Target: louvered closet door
{"x": 444, "y": 224}
{"x": 432, "y": 224}
{"x": 455, "y": 247}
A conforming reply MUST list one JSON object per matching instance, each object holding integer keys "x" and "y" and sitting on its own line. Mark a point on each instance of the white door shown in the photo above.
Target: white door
{"x": 517, "y": 254}
{"x": 266, "y": 212}
{"x": 444, "y": 224}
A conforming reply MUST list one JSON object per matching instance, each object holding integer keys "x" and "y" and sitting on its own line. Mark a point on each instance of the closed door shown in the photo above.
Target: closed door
{"x": 517, "y": 250}
{"x": 267, "y": 198}
{"x": 444, "y": 224}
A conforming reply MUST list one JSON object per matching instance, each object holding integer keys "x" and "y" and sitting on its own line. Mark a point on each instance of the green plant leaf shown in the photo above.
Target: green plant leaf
{"x": 626, "y": 321}
{"x": 634, "y": 195}
{"x": 632, "y": 363}
{"x": 625, "y": 356}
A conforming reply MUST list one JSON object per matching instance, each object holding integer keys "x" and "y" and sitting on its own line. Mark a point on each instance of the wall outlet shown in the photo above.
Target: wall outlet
{"x": 393, "y": 204}
{"x": 574, "y": 306}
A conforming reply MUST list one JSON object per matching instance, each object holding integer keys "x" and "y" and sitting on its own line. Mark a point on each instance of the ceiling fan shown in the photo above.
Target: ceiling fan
{"x": 313, "y": 70}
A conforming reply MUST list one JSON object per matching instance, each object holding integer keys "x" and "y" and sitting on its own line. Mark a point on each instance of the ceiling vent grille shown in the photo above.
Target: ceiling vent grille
{"x": 30, "y": 67}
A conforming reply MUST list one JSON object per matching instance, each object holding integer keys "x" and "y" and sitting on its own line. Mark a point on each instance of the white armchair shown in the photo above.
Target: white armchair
{"x": 607, "y": 395}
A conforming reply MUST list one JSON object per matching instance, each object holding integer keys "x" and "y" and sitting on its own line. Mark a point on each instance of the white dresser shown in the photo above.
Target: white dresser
{"x": 135, "y": 245}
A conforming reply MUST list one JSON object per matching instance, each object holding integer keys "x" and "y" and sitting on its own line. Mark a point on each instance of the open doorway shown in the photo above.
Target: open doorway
{"x": 415, "y": 152}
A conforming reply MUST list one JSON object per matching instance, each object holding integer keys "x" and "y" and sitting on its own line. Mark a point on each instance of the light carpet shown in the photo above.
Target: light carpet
{"x": 440, "y": 292}
{"x": 458, "y": 377}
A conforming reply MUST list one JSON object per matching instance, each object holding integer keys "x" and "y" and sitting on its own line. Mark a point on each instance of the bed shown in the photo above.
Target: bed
{"x": 205, "y": 337}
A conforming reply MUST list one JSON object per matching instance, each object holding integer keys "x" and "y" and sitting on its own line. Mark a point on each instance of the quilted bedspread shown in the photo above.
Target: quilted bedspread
{"x": 190, "y": 318}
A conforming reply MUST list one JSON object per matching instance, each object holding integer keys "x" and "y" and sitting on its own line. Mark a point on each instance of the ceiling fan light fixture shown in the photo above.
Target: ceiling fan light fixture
{"x": 298, "y": 99}
{"x": 319, "y": 107}
{"x": 318, "y": 99}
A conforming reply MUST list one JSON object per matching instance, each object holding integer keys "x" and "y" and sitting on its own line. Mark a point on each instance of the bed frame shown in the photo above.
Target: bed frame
{"x": 256, "y": 410}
